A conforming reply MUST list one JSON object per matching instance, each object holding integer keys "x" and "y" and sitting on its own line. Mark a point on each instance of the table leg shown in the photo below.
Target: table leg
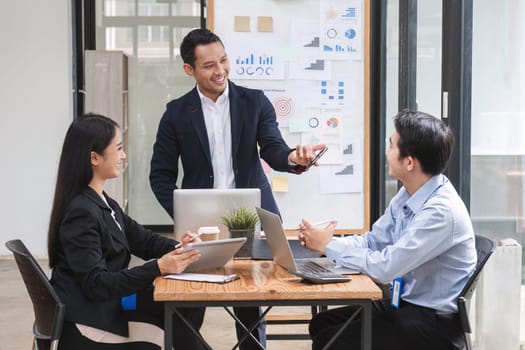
{"x": 168, "y": 327}
{"x": 248, "y": 332}
{"x": 190, "y": 326}
{"x": 169, "y": 310}
{"x": 366, "y": 327}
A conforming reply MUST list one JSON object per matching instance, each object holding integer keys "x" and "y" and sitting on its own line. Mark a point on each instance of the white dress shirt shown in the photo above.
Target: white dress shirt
{"x": 218, "y": 127}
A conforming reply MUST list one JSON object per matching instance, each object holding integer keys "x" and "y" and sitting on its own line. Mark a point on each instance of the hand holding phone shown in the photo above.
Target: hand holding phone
{"x": 316, "y": 158}
{"x": 298, "y": 169}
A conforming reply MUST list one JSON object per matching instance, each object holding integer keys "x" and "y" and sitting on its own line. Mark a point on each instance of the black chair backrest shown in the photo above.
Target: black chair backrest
{"x": 484, "y": 248}
{"x": 48, "y": 309}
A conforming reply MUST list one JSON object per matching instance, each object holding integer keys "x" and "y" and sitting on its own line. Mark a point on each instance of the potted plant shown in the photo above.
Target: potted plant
{"x": 241, "y": 222}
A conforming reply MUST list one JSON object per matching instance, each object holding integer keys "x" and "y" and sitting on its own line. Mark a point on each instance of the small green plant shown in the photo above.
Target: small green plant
{"x": 240, "y": 218}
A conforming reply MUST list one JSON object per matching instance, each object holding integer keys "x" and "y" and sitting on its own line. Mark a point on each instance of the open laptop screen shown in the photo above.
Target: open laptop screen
{"x": 193, "y": 208}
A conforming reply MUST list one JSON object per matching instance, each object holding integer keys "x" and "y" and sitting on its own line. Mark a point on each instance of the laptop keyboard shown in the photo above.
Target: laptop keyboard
{"x": 314, "y": 269}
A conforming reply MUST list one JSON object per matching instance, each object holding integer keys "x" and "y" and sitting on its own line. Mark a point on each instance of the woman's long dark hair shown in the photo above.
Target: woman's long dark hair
{"x": 89, "y": 133}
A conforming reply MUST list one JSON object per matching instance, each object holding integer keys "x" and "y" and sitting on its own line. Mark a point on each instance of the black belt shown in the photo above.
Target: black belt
{"x": 447, "y": 316}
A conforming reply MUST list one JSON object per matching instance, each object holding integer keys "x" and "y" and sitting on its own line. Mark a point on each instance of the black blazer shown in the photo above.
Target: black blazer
{"x": 91, "y": 272}
{"x": 182, "y": 133}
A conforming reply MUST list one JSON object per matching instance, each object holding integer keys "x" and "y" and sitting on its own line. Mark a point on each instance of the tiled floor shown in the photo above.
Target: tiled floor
{"x": 16, "y": 318}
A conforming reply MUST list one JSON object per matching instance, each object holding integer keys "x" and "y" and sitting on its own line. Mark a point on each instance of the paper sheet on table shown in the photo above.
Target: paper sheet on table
{"x": 203, "y": 277}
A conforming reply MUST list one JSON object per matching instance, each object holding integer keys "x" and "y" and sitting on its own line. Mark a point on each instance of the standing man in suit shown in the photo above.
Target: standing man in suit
{"x": 215, "y": 130}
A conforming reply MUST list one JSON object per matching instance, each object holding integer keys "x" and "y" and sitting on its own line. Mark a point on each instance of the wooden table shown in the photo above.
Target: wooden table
{"x": 264, "y": 283}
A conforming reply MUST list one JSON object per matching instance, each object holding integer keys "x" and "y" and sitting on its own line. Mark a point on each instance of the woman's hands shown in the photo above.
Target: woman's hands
{"x": 188, "y": 237}
{"x": 177, "y": 261}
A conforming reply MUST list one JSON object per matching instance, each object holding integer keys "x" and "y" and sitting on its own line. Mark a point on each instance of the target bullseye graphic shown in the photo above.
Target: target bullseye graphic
{"x": 283, "y": 106}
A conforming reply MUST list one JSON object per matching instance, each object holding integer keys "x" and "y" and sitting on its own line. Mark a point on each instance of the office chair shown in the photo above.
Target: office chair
{"x": 48, "y": 309}
{"x": 484, "y": 248}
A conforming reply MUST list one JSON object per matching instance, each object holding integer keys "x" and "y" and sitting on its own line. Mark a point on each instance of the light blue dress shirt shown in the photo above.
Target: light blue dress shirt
{"x": 426, "y": 238}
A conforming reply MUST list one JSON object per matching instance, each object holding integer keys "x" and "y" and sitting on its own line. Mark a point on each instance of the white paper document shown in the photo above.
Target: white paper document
{"x": 203, "y": 277}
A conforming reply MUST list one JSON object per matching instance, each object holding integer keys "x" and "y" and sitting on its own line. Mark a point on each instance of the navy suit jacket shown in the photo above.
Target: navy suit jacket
{"x": 182, "y": 134}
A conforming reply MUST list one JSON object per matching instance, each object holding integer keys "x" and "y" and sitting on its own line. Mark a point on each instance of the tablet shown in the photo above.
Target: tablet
{"x": 214, "y": 254}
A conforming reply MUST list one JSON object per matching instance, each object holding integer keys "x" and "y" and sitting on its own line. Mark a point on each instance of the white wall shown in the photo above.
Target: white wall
{"x": 36, "y": 101}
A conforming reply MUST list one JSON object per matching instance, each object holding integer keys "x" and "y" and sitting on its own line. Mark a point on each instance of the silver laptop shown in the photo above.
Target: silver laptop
{"x": 194, "y": 208}
{"x": 309, "y": 269}
{"x": 214, "y": 254}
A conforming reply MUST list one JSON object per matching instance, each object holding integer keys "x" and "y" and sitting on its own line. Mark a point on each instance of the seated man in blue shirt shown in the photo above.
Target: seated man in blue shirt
{"x": 424, "y": 242}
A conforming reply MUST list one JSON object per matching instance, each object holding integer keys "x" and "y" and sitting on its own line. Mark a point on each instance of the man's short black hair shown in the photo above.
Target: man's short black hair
{"x": 200, "y": 36}
{"x": 425, "y": 138}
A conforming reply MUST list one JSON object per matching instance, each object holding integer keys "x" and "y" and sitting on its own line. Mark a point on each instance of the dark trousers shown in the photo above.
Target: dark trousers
{"x": 410, "y": 327}
{"x": 153, "y": 312}
{"x": 147, "y": 311}
{"x": 183, "y": 338}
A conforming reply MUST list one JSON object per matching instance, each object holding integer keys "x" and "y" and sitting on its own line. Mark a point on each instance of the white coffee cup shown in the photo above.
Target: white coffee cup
{"x": 208, "y": 233}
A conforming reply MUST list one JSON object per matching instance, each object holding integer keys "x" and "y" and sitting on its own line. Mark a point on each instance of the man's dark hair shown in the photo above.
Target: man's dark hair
{"x": 200, "y": 36}
{"x": 425, "y": 138}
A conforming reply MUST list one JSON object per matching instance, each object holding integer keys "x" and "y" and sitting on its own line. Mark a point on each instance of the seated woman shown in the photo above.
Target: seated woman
{"x": 90, "y": 244}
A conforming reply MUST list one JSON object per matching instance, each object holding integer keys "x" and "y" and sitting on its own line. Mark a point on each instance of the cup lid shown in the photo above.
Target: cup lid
{"x": 208, "y": 229}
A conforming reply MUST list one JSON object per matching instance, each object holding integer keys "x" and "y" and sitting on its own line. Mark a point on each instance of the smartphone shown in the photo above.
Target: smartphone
{"x": 317, "y": 157}
{"x": 298, "y": 169}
